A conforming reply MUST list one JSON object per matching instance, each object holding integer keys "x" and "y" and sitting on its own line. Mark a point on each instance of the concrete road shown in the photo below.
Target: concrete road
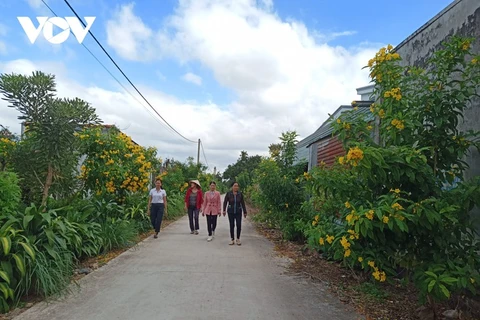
{"x": 182, "y": 276}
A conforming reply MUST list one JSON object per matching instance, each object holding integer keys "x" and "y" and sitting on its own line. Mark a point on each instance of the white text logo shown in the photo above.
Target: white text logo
{"x": 46, "y": 24}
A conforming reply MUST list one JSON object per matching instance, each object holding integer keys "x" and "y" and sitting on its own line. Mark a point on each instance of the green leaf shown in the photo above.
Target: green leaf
{"x": 50, "y": 236}
{"x": 444, "y": 290}
{"x": 4, "y": 288}
{"x": 28, "y": 249}
{"x": 26, "y": 220}
{"x": 431, "y": 285}
{"x": 431, "y": 274}
{"x": 20, "y": 264}
{"x": 449, "y": 280}
{"x": 4, "y": 276}
{"x": 6, "y": 244}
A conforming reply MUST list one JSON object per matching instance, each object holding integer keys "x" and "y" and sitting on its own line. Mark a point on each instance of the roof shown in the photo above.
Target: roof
{"x": 326, "y": 129}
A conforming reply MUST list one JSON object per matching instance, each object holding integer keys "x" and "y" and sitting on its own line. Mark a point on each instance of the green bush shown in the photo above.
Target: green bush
{"x": 10, "y": 192}
{"x": 401, "y": 207}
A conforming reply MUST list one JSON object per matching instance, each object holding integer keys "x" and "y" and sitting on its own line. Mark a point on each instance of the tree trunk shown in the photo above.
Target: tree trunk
{"x": 48, "y": 184}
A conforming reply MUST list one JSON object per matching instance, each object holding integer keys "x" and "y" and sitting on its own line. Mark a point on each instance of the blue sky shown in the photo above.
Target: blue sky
{"x": 221, "y": 94}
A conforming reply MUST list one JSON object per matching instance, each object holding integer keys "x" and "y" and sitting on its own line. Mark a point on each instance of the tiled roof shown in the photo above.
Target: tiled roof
{"x": 326, "y": 129}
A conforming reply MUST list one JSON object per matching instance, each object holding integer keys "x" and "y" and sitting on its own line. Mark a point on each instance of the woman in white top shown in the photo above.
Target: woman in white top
{"x": 157, "y": 205}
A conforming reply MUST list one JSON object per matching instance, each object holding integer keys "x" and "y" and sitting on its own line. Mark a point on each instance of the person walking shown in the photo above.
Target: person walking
{"x": 193, "y": 204}
{"x": 157, "y": 206}
{"x": 236, "y": 204}
{"x": 212, "y": 208}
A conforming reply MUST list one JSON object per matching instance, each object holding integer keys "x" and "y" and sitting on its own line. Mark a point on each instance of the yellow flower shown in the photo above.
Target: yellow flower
{"x": 339, "y": 121}
{"x": 372, "y": 107}
{"x": 348, "y": 205}
{"x": 369, "y": 214}
{"x": 371, "y": 264}
{"x": 286, "y": 205}
{"x": 347, "y": 253}
{"x": 397, "y": 206}
{"x": 330, "y": 239}
{"x": 472, "y": 280}
{"x": 355, "y": 108}
{"x": 360, "y": 259}
{"x": 385, "y": 219}
{"x": 465, "y": 45}
{"x": 389, "y": 47}
{"x": 317, "y": 217}
{"x": 341, "y": 160}
{"x": 383, "y": 276}
{"x": 314, "y": 223}
{"x": 321, "y": 241}
{"x": 474, "y": 61}
{"x": 369, "y": 127}
{"x": 381, "y": 113}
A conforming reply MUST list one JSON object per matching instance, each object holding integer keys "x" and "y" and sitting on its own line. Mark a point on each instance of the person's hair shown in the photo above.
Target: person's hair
{"x": 212, "y": 182}
{"x": 233, "y": 183}
{"x": 158, "y": 179}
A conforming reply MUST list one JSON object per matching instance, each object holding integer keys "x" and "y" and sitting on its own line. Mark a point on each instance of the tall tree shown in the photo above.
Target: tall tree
{"x": 50, "y": 122}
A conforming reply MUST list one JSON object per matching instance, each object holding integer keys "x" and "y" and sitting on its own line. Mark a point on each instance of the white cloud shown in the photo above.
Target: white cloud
{"x": 35, "y": 4}
{"x": 193, "y": 78}
{"x": 279, "y": 69}
{"x": 284, "y": 77}
{"x": 223, "y": 135}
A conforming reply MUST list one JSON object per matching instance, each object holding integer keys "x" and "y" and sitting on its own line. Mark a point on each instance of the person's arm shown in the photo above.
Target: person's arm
{"x": 203, "y": 205}
{"x": 186, "y": 200}
{"x": 219, "y": 204}
{"x": 165, "y": 202}
{"x": 225, "y": 201}
{"x": 244, "y": 206}
{"x": 149, "y": 203}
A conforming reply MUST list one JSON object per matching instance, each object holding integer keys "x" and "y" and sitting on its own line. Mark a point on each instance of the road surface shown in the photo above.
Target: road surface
{"x": 182, "y": 276}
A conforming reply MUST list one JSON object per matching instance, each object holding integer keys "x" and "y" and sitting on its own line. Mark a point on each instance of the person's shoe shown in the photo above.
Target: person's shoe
{"x": 238, "y": 242}
{"x": 209, "y": 238}
{"x": 155, "y": 236}
{"x": 213, "y": 234}
{"x": 196, "y": 231}
{"x": 191, "y": 232}
{"x": 232, "y": 243}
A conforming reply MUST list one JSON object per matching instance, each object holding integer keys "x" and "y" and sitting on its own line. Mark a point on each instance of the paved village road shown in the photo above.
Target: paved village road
{"x": 182, "y": 276}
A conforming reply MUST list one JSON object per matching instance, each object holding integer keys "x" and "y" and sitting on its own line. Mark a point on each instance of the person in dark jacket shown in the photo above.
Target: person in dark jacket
{"x": 236, "y": 206}
{"x": 193, "y": 204}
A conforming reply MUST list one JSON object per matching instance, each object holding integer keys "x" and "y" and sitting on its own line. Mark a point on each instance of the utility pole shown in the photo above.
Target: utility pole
{"x": 198, "y": 153}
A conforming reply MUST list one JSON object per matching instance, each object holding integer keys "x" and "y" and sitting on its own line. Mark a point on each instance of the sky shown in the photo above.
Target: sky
{"x": 233, "y": 73}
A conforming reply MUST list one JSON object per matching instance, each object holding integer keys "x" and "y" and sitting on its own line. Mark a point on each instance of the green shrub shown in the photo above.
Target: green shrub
{"x": 10, "y": 192}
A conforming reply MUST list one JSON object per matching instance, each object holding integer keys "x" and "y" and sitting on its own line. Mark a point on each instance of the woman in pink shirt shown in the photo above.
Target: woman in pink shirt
{"x": 212, "y": 206}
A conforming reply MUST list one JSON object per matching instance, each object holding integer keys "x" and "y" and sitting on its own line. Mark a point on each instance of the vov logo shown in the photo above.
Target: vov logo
{"x": 46, "y": 24}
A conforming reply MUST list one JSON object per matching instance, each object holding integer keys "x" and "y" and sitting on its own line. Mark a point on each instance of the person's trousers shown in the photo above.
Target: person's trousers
{"x": 235, "y": 219}
{"x": 193, "y": 217}
{"x": 156, "y": 215}
{"x": 211, "y": 223}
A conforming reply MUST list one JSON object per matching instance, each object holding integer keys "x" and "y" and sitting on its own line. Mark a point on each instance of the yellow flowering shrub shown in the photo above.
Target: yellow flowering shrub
{"x": 394, "y": 205}
{"x": 115, "y": 165}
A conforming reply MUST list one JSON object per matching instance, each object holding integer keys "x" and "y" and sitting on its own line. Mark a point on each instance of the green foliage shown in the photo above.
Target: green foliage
{"x": 392, "y": 207}
{"x": 50, "y": 123}
{"x": 10, "y": 192}
{"x": 242, "y": 171}
{"x": 278, "y": 190}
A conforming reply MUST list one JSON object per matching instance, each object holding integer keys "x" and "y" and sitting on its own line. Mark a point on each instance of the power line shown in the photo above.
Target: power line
{"x": 203, "y": 151}
{"x": 113, "y": 76}
{"x": 121, "y": 71}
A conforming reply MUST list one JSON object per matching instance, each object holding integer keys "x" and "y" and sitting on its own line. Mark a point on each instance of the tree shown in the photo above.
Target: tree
{"x": 50, "y": 122}
{"x": 244, "y": 168}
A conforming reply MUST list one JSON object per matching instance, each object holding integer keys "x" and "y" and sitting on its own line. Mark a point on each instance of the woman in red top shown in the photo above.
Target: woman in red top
{"x": 193, "y": 204}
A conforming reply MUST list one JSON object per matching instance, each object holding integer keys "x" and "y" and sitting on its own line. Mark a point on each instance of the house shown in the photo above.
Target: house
{"x": 322, "y": 146}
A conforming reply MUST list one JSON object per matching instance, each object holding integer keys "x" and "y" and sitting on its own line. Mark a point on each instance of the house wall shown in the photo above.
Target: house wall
{"x": 462, "y": 18}
{"x": 328, "y": 149}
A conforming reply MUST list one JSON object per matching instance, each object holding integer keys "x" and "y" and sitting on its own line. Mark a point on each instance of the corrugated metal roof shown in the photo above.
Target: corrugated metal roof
{"x": 326, "y": 129}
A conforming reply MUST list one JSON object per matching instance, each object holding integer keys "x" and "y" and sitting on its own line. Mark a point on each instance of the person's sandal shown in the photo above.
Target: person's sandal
{"x": 238, "y": 242}
{"x": 232, "y": 243}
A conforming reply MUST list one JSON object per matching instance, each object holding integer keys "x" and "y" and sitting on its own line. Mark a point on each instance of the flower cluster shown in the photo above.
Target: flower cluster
{"x": 394, "y": 93}
{"x": 346, "y": 246}
{"x": 399, "y": 124}
{"x": 354, "y": 155}
{"x": 382, "y": 56}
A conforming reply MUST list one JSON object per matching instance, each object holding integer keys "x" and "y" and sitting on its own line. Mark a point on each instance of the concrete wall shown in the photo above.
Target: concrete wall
{"x": 461, "y": 17}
